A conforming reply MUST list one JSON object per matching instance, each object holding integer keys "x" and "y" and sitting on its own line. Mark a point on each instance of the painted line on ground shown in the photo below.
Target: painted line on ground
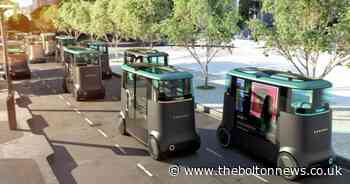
{"x": 261, "y": 178}
{"x": 102, "y": 133}
{"x": 77, "y": 110}
{"x": 89, "y": 122}
{"x": 214, "y": 152}
{"x": 121, "y": 149}
{"x": 144, "y": 169}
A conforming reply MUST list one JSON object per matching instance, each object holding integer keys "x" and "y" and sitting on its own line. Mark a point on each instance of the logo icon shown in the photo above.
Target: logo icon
{"x": 174, "y": 170}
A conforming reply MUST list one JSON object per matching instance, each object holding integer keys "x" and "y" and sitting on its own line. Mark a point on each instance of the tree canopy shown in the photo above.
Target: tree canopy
{"x": 304, "y": 30}
{"x": 43, "y": 18}
{"x": 139, "y": 19}
{"x": 19, "y": 22}
{"x": 198, "y": 24}
{"x": 101, "y": 23}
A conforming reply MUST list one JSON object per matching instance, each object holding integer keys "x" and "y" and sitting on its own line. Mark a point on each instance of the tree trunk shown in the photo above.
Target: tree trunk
{"x": 91, "y": 37}
{"x": 106, "y": 38}
{"x": 206, "y": 76}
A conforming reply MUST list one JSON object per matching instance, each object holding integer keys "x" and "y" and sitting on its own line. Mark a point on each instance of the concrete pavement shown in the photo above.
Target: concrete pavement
{"x": 23, "y": 154}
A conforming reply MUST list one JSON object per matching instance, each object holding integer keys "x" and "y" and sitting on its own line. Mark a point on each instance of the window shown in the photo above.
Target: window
{"x": 326, "y": 97}
{"x": 103, "y": 49}
{"x": 129, "y": 80}
{"x": 242, "y": 95}
{"x": 81, "y": 60}
{"x": 228, "y": 81}
{"x": 67, "y": 57}
{"x": 156, "y": 60}
{"x": 301, "y": 99}
{"x": 310, "y": 101}
{"x": 264, "y": 96}
{"x": 129, "y": 59}
{"x": 323, "y": 100}
{"x": 173, "y": 89}
{"x": 85, "y": 59}
{"x": 93, "y": 59}
{"x": 141, "y": 97}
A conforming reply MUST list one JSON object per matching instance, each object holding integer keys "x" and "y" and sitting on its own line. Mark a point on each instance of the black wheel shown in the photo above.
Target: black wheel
{"x": 76, "y": 96}
{"x": 153, "y": 147}
{"x": 122, "y": 126}
{"x": 195, "y": 146}
{"x": 224, "y": 137}
{"x": 102, "y": 96}
{"x": 286, "y": 160}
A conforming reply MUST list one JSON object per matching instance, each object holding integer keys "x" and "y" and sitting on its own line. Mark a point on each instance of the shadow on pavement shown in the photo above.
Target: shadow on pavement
{"x": 128, "y": 151}
{"x": 23, "y": 101}
{"x": 62, "y": 164}
{"x": 70, "y": 110}
{"x": 37, "y": 124}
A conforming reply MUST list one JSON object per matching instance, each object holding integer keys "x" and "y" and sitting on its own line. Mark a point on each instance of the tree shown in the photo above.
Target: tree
{"x": 120, "y": 19}
{"x": 140, "y": 19}
{"x": 43, "y": 18}
{"x": 146, "y": 16}
{"x": 74, "y": 17}
{"x": 305, "y": 30}
{"x": 248, "y": 8}
{"x": 81, "y": 18}
{"x": 212, "y": 22}
{"x": 100, "y": 24}
{"x": 64, "y": 16}
{"x": 18, "y": 22}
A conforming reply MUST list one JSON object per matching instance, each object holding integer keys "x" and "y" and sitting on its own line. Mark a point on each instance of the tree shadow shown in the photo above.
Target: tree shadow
{"x": 23, "y": 101}
{"x": 71, "y": 110}
{"x": 62, "y": 164}
{"x": 121, "y": 151}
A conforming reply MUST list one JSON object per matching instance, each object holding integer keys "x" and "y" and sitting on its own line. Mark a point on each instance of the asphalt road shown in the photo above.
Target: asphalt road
{"x": 88, "y": 148}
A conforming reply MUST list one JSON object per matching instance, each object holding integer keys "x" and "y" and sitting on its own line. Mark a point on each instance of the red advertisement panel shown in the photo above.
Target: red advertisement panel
{"x": 259, "y": 92}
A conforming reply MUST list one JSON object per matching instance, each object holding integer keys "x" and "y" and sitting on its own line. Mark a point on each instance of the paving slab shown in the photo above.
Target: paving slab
{"x": 20, "y": 171}
{"x": 23, "y": 150}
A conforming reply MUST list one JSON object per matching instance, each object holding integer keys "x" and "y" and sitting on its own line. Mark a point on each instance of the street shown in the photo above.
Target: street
{"x": 89, "y": 149}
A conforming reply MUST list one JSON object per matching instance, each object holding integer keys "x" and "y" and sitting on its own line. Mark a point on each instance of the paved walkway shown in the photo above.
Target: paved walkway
{"x": 23, "y": 154}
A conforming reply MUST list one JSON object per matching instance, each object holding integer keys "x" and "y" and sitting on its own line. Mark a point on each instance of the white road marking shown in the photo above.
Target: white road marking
{"x": 347, "y": 170}
{"x": 77, "y": 110}
{"x": 214, "y": 152}
{"x": 144, "y": 169}
{"x": 68, "y": 103}
{"x": 61, "y": 97}
{"x": 102, "y": 132}
{"x": 261, "y": 178}
{"x": 89, "y": 121}
{"x": 121, "y": 149}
